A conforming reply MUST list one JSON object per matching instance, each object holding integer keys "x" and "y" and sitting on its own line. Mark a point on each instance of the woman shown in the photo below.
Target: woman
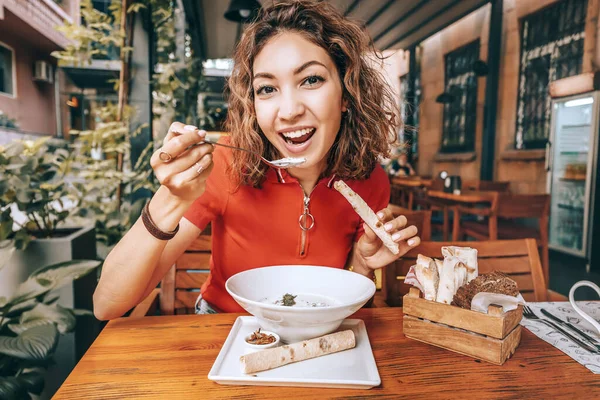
{"x": 300, "y": 87}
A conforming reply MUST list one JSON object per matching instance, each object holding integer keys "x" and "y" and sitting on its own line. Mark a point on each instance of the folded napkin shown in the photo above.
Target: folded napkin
{"x": 565, "y": 311}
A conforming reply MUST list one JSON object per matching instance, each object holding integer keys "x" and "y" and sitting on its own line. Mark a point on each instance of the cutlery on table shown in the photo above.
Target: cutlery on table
{"x": 529, "y": 314}
{"x": 572, "y": 327}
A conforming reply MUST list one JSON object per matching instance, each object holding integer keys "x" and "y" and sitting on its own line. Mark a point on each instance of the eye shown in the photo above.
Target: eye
{"x": 265, "y": 90}
{"x": 313, "y": 80}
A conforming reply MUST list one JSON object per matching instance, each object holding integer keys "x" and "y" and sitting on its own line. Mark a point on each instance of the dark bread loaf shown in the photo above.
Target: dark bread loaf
{"x": 494, "y": 282}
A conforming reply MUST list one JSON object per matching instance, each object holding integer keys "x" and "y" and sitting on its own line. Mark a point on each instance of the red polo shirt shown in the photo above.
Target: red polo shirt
{"x": 259, "y": 227}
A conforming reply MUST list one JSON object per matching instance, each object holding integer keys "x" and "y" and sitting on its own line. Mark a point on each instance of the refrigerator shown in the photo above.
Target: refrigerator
{"x": 571, "y": 162}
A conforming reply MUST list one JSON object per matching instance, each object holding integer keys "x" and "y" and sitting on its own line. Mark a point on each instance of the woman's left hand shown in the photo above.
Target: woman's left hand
{"x": 370, "y": 250}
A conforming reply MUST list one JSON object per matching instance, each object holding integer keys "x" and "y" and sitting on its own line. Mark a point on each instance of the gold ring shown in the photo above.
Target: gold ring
{"x": 164, "y": 156}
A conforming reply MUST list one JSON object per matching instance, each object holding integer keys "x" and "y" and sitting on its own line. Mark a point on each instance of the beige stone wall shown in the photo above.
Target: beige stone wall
{"x": 526, "y": 176}
{"x": 474, "y": 26}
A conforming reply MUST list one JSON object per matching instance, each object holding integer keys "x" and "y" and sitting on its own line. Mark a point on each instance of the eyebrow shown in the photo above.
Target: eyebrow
{"x": 296, "y": 71}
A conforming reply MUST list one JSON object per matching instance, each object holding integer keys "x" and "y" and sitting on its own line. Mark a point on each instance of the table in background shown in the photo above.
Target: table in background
{"x": 408, "y": 184}
{"x": 472, "y": 198}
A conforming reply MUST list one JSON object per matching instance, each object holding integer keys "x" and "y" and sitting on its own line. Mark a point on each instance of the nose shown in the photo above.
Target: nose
{"x": 291, "y": 106}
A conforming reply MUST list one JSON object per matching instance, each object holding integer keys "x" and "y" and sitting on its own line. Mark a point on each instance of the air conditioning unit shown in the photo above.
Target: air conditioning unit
{"x": 42, "y": 72}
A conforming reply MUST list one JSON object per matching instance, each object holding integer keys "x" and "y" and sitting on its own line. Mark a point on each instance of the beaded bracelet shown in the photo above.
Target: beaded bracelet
{"x": 153, "y": 229}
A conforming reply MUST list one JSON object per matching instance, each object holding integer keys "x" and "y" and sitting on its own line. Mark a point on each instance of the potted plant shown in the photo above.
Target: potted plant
{"x": 31, "y": 321}
{"x": 36, "y": 199}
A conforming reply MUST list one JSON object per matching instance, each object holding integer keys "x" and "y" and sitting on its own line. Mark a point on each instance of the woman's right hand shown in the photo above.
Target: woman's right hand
{"x": 179, "y": 168}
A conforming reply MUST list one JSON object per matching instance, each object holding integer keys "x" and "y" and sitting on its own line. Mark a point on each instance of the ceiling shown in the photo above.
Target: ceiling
{"x": 392, "y": 24}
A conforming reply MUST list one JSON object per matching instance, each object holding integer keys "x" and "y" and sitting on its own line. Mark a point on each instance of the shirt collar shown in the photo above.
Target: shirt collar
{"x": 282, "y": 176}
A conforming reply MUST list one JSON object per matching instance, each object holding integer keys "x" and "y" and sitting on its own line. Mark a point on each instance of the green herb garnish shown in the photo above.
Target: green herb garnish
{"x": 288, "y": 300}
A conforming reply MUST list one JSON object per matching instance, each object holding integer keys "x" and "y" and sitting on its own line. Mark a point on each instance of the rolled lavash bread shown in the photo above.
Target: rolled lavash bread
{"x": 365, "y": 212}
{"x": 467, "y": 255}
{"x": 304, "y": 350}
{"x": 453, "y": 276}
{"x": 428, "y": 275}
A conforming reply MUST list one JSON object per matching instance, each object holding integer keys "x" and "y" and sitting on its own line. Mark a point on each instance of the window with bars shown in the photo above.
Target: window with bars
{"x": 551, "y": 49}
{"x": 460, "y": 108}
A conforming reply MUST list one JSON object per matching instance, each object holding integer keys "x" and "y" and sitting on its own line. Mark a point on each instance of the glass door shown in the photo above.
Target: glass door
{"x": 573, "y": 120}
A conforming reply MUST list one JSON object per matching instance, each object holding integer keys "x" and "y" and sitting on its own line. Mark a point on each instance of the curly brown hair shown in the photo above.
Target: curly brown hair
{"x": 366, "y": 131}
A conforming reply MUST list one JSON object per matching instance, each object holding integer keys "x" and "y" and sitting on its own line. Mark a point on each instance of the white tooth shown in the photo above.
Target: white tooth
{"x": 297, "y": 134}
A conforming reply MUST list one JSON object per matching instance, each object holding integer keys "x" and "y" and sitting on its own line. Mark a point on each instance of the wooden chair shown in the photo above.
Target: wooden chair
{"x": 180, "y": 287}
{"x": 517, "y": 258}
{"x": 422, "y": 220}
{"x": 499, "y": 221}
{"x": 424, "y": 202}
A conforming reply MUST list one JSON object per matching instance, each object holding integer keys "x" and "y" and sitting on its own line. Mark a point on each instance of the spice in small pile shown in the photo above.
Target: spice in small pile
{"x": 260, "y": 338}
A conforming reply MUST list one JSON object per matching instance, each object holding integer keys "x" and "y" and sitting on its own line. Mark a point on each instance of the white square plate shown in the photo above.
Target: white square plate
{"x": 353, "y": 369}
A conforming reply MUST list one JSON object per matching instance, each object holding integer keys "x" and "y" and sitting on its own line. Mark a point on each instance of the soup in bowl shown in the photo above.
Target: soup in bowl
{"x": 300, "y": 302}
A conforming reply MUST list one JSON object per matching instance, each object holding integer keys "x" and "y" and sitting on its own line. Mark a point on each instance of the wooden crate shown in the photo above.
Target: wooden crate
{"x": 491, "y": 337}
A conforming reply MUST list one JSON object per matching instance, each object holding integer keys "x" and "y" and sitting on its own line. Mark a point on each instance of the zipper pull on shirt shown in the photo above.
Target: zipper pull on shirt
{"x": 306, "y": 220}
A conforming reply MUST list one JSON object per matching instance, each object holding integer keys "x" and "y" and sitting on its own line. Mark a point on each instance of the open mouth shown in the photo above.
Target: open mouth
{"x": 298, "y": 137}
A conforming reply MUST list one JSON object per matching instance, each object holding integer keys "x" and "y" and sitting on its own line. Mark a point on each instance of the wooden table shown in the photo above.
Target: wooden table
{"x": 414, "y": 181}
{"x": 470, "y": 197}
{"x": 169, "y": 357}
{"x": 410, "y": 184}
{"x": 466, "y": 197}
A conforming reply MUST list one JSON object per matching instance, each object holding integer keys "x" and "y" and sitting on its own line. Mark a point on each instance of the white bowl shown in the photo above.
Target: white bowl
{"x": 257, "y": 289}
{"x": 257, "y": 347}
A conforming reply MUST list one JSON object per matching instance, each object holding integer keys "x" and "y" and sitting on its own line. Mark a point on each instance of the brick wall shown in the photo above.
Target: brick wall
{"x": 524, "y": 170}
{"x": 33, "y": 105}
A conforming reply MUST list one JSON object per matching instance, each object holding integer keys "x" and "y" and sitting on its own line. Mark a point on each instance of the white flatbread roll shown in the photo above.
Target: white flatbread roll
{"x": 279, "y": 356}
{"x": 439, "y": 264}
{"x": 467, "y": 255}
{"x": 460, "y": 275}
{"x": 427, "y": 274}
{"x": 448, "y": 280}
{"x": 365, "y": 212}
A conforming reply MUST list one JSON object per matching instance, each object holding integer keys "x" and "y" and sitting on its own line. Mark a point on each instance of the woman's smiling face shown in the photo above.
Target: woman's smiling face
{"x": 298, "y": 98}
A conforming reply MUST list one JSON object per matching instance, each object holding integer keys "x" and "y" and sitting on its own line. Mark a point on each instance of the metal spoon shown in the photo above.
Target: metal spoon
{"x": 283, "y": 163}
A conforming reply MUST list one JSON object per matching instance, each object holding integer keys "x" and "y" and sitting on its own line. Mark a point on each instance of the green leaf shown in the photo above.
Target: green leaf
{"x": 48, "y": 175}
{"x": 24, "y": 195}
{"x": 51, "y": 277}
{"x": 51, "y": 298}
{"x": 15, "y": 167}
{"x": 62, "y": 273}
{"x": 35, "y": 344}
{"x": 42, "y": 314}
{"x": 7, "y": 248}
{"x": 3, "y": 187}
{"x": 11, "y": 388}
{"x": 19, "y": 308}
{"x": 30, "y": 289}
{"x": 22, "y": 239}
{"x": 7, "y": 365}
{"x": 79, "y": 312}
{"x": 5, "y": 231}
{"x": 14, "y": 149}
{"x": 33, "y": 380}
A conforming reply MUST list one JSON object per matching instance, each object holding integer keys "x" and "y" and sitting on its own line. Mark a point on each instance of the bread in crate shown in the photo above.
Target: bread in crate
{"x": 449, "y": 322}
